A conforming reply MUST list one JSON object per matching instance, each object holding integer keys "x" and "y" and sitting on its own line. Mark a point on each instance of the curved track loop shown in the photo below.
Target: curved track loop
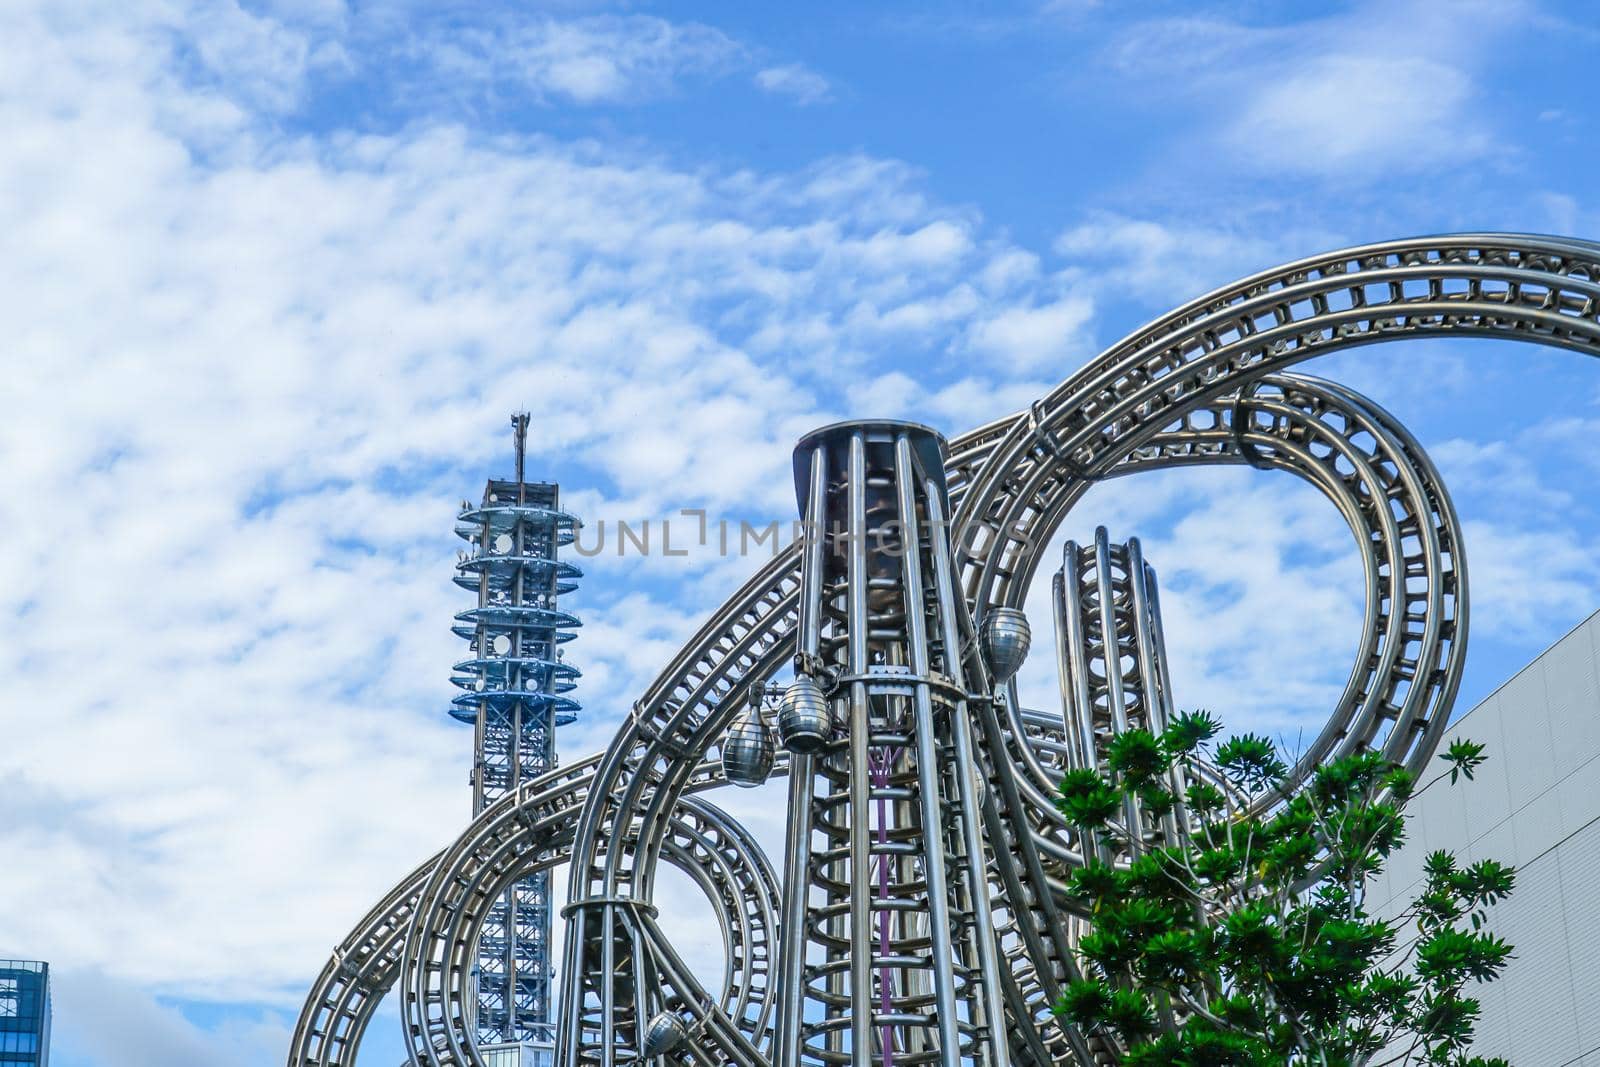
{"x": 1543, "y": 290}
{"x": 1390, "y": 495}
{"x": 534, "y": 834}
{"x": 1409, "y": 658}
{"x": 712, "y": 848}
{"x": 1137, "y": 406}
{"x": 361, "y": 970}
{"x": 367, "y": 963}
{"x": 1538, "y": 289}
{"x": 1395, "y": 504}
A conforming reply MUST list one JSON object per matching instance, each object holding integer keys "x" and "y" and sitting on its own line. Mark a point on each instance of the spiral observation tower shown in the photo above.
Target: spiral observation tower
{"x": 916, "y": 914}
{"x": 514, "y": 685}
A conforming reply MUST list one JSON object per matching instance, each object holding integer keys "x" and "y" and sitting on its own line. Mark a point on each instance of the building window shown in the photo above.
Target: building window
{"x": 10, "y": 998}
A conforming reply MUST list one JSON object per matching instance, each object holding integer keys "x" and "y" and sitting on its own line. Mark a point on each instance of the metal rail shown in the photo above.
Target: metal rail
{"x": 1201, "y": 385}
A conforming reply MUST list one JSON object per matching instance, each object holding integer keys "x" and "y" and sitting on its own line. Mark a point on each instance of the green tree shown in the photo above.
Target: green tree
{"x": 1231, "y": 930}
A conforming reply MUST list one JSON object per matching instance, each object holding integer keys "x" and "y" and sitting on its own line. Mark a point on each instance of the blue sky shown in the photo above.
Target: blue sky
{"x": 276, "y": 272}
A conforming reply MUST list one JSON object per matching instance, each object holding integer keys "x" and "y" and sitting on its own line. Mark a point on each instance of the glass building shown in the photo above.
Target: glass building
{"x": 24, "y": 1013}
{"x": 518, "y": 1054}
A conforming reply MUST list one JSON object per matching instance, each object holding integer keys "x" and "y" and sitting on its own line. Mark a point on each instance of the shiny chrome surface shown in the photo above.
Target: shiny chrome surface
{"x": 665, "y": 1033}
{"x": 896, "y": 962}
{"x": 749, "y": 748}
{"x": 1006, "y": 636}
{"x": 1204, "y": 384}
{"x": 804, "y": 722}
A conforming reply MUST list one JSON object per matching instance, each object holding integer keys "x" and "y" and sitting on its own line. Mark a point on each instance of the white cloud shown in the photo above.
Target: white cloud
{"x": 795, "y": 80}
{"x": 132, "y": 1029}
{"x": 1169, "y": 262}
{"x": 1524, "y": 575}
{"x": 1051, "y": 336}
{"x": 967, "y": 403}
{"x": 590, "y": 59}
{"x": 1342, "y": 111}
{"x": 1530, "y": 563}
{"x": 1508, "y": 468}
{"x": 1355, "y": 95}
{"x": 249, "y": 376}
{"x": 262, "y": 59}
{"x": 1560, "y": 212}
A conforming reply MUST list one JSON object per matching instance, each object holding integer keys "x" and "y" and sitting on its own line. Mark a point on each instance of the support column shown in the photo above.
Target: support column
{"x": 888, "y": 957}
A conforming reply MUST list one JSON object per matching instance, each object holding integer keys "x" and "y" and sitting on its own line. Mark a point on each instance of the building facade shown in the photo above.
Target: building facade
{"x": 1535, "y": 804}
{"x": 24, "y": 1013}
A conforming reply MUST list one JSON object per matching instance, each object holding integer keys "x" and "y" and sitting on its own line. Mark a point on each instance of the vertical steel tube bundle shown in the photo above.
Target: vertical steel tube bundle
{"x": 895, "y": 962}
{"x": 849, "y": 973}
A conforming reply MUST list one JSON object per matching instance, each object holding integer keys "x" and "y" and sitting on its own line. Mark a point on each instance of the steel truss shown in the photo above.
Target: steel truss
{"x": 514, "y": 685}
{"x": 1205, "y": 384}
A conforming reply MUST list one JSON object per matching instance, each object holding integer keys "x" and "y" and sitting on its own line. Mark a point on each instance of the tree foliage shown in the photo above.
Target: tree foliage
{"x": 1237, "y": 937}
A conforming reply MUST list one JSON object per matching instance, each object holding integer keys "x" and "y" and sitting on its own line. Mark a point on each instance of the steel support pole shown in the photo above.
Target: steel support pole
{"x": 928, "y": 761}
{"x": 858, "y": 625}
{"x": 789, "y": 1027}
{"x": 982, "y": 917}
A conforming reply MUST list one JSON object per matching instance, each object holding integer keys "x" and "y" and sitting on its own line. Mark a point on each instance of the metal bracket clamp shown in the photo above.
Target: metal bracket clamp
{"x": 1037, "y": 431}
{"x": 525, "y": 817}
{"x": 357, "y": 975}
{"x": 901, "y": 682}
{"x": 648, "y": 732}
{"x": 1041, "y": 436}
{"x": 812, "y": 664}
{"x": 701, "y": 1018}
{"x": 676, "y": 748}
{"x": 1252, "y": 455}
{"x": 642, "y": 907}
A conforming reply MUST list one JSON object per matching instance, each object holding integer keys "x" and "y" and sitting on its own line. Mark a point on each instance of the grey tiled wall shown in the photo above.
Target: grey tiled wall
{"x": 1536, "y": 804}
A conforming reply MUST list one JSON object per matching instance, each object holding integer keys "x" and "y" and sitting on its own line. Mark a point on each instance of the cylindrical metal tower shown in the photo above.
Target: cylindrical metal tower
{"x": 514, "y": 683}
{"x": 1113, "y": 660}
{"x": 888, "y": 954}
{"x": 1111, "y": 657}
